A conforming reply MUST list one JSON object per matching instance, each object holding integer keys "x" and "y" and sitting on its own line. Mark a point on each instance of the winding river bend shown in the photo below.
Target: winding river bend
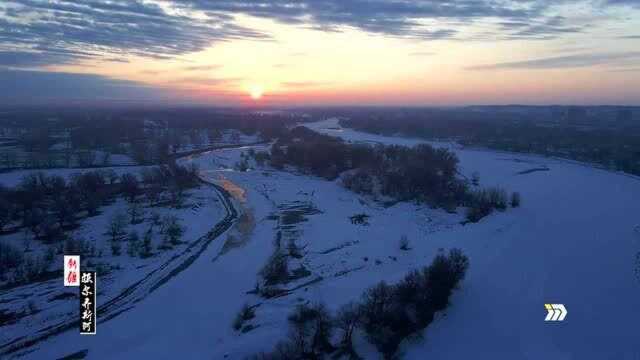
{"x": 573, "y": 241}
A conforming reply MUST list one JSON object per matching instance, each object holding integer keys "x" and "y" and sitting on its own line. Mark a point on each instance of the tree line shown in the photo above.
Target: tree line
{"x": 386, "y": 314}
{"x": 56, "y": 138}
{"x": 47, "y": 208}
{"x": 612, "y": 148}
{"x": 421, "y": 173}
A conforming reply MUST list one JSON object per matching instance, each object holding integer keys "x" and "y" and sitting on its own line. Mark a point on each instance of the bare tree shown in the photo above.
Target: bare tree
{"x": 404, "y": 243}
{"x": 235, "y": 137}
{"x": 156, "y": 220}
{"x": 106, "y": 158}
{"x": 27, "y": 239}
{"x": 133, "y": 246}
{"x": 152, "y": 193}
{"x": 173, "y": 230}
{"x": 515, "y": 200}
{"x": 311, "y": 330}
{"x": 214, "y": 135}
{"x": 32, "y": 220}
{"x": 276, "y": 269}
{"x": 246, "y": 313}
{"x": 348, "y": 319}
{"x": 116, "y": 227}
{"x": 146, "y": 248}
{"x": 196, "y": 138}
{"x": 134, "y": 211}
{"x": 111, "y": 175}
{"x": 475, "y": 178}
{"x": 86, "y": 158}
{"x": 9, "y": 159}
{"x": 6, "y": 211}
{"x": 130, "y": 186}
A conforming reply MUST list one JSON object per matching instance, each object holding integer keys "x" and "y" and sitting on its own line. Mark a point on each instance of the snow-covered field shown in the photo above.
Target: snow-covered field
{"x": 227, "y": 137}
{"x": 48, "y": 303}
{"x": 572, "y": 242}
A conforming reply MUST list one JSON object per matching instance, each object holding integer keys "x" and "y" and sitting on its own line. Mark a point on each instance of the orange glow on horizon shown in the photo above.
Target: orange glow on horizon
{"x": 256, "y": 92}
{"x": 309, "y": 67}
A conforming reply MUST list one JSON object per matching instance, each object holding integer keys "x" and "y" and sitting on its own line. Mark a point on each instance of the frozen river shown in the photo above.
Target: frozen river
{"x": 572, "y": 242}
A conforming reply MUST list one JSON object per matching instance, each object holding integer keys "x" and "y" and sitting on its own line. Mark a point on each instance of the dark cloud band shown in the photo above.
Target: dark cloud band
{"x": 53, "y": 32}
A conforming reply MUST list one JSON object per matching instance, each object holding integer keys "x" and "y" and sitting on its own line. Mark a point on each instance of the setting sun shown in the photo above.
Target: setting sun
{"x": 256, "y": 92}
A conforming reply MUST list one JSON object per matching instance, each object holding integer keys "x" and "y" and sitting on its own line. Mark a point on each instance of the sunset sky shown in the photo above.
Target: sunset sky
{"x": 325, "y": 52}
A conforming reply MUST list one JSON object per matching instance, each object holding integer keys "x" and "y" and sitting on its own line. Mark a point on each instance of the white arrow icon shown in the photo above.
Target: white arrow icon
{"x": 555, "y": 312}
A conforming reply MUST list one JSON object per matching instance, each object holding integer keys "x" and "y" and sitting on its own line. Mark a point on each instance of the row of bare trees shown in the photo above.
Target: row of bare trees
{"x": 47, "y": 207}
{"x": 387, "y": 314}
{"x": 421, "y": 173}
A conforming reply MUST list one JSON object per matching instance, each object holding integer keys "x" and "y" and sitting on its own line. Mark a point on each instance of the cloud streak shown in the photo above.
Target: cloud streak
{"x": 200, "y": 81}
{"x": 637, "y": 69}
{"x": 60, "y": 87}
{"x": 202, "y": 67}
{"x": 561, "y": 62}
{"x": 422, "y": 53}
{"x": 304, "y": 84}
{"x": 411, "y": 19}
